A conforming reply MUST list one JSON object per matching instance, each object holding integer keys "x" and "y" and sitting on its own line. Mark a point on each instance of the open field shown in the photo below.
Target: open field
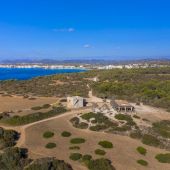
{"x": 23, "y": 105}
{"x": 123, "y": 155}
{"x": 153, "y": 114}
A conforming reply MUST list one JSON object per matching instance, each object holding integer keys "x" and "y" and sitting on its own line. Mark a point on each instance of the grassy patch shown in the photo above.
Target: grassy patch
{"x": 48, "y": 134}
{"x": 26, "y": 119}
{"x": 76, "y": 123}
{"x": 162, "y": 128}
{"x": 66, "y": 134}
{"x": 100, "y": 152}
{"x": 141, "y": 150}
{"x": 106, "y": 144}
{"x": 150, "y": 140}
{"x": 100, "y": 164}
{"x": 50, "y": 145}
{"x": 74, "y": 148}
{"x": 75, "y": 156}
{"x": 142, "y": 162}
{"x": 36, "y": 108}
{"x": 86, "y": 157}
{"x": 46, "y": 106}
{"x": 163, "y": 158}
{"x": 88, "y": 116}
{"x": 77, "y": 141}
{"x": 127, "y": 118}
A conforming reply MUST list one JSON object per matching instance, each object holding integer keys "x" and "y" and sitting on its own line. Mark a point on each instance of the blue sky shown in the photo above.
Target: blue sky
{"x": 84, "y": 29}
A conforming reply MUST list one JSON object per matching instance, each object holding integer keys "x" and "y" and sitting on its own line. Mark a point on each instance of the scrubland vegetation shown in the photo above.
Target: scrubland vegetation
{"x": 141, "y": 150}
{"x": 48, "y": 134}
{"x": 150, "y": 86}
{"x": 21, "y": 120}
{"x": 142, "y": 162}
{"x": 8, "y": 138}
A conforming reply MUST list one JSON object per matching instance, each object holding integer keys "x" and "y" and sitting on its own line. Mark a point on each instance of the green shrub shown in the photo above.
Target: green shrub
{"x": 46, "y": 106}
{"x": 36, "y": 108}
{"x": 30, "y": 118}
{"x": 106, "y": 144}
{"x": 163, "y": 158}
{"x": 100, "y": 164}
{"x": 162, "y": 128}
{"x": 86, "y": 157}
{"x": 48, "y": 134}
{"x": 50, "y": 145}
{"x": 142, "y": 162}
{"x": 74, "y": 148}
{"x": 66, "y": 134}
{"x": 98, "y": 127}
{"x": 141, "y": 150}
{"x": 88, "y": 116}
{"x": 150, "y": 140}
{"x": 77, "y": 140}
{"x": 100, "y": 152}
{"x": 75, "y": 156}
{"x": 123, "y": 128}
{"x": 82, "y": 125}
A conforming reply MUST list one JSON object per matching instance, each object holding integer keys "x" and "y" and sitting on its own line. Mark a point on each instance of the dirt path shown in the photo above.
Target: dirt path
{"x": 22, "y": 129}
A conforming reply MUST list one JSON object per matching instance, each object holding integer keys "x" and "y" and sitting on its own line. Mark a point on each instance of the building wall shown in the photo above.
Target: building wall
{"x": 75, "y": 102}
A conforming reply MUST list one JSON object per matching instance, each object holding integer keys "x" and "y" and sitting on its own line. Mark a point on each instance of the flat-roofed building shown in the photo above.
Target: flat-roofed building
{"x": 75, "y": 102}
{"x": 122, "y": 105}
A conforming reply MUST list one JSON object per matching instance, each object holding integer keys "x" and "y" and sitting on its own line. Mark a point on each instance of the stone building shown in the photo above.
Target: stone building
{"x": 122, "y": 105}
{"x": 75, "y": 102}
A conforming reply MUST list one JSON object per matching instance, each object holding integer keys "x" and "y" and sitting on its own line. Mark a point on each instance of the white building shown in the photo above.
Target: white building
{"x": 75, "y": 102}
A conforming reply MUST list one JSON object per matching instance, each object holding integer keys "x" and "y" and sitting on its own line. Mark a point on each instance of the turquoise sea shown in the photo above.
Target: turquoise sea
{"x": 29, "y": 73}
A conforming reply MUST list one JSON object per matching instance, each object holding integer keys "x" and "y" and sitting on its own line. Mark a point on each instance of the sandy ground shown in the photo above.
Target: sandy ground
{"x": 151, "y": 113}
{"x": 123, "y": 155}
{"x": 16, "y": 103}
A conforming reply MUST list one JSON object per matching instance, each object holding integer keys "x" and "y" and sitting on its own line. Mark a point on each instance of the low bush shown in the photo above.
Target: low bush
{"x": 66, "y": 134}
{"x": 141, "y": 150}
{"x": 142, "y": 162}
{"x": 150, "y": 140}
{"x": 74, "y": 148}
{"x": 77, "y": 140}
{"x": 100, "y": 152}
{"x": 88, "y": 116}
{"x": 82, "y": 125}
{"x": 8, "y": 138}
{"x": 86, "y": 157}
{"x": 48, "y": 134}
{"x": 26, "y": 119}
{"x": 50, "y": 145}
{"x": 163, "y": 158}
{"x": 106, "y": 144}
{"x": 127, "y": 118}
{"x": 46, "y": 106}
{"x": 75, "y": 156}
{"x": 36, "y": 108}
{"x": 100, "y": 164}
{"x": 162, "y": 128}
{"x": 98, "y": 127}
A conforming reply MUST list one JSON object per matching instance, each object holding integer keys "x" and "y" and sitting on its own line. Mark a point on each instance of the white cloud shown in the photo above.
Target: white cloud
{"x": 64, "y": 30}
{"x": 87, "y": 46}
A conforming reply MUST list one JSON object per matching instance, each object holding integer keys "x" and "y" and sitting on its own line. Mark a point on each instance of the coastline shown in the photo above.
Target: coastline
{"x": 27, "y": 73}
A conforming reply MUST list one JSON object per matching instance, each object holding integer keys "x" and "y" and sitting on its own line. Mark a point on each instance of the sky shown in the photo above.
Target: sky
{"x": 84, "y": 29}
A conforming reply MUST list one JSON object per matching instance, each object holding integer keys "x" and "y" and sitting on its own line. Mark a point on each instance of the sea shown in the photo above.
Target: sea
{"x": 29, "y": 73}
